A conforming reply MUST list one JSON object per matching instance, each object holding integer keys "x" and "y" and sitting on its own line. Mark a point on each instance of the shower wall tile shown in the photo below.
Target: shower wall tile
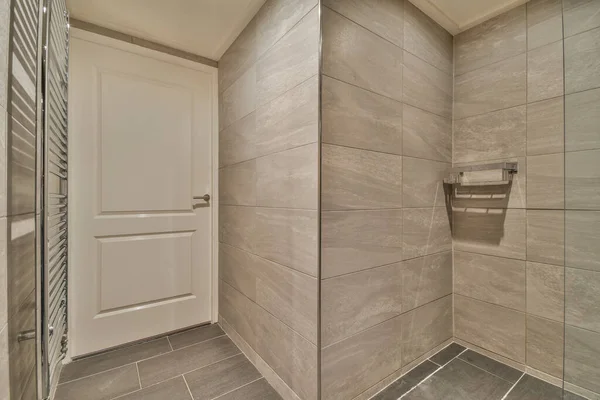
{"x": 360, "y": 179}
{"x": 426, "y": 135}
{"x": 494, "y": 87}
{"x": 356, "y": 240}
{"x": 545, "y": 72}
{"x": 582, "y": 358}
{"x": 427, "y": 40}
{"x": 582, "y": 119}
{"x": 237, "y": 142}
{"x": 348, "y": 303}
{"x": 4, "y": 44}
{"x": 546, "y": 181}
{"x": 491, "y": 279}
{"x": 546, "y": 126}
{"x": 545, "y": 341}
{"x": 426, "y": 279}
{"x": 580, "y": 16}
{"x": 495, "y": 328}
{"x": 385, "y": 18}
{"x": 3, "y": 274}
{"x": 422, "y": 182}
{"x": 582, "y": 235}
{"x": 426, "y": 87}
{"x": 356, "y": 117}
{"x": 546, "y": 236}
{"x": 359, "y": 57}
{"x": 546, "y": 291}
{"x": 498, "y": 134}
{"x": 495, "y": 40}
{"x": 236, "y": 227}
{"x": 425, "y": 231}
{"x": 240, "y": 56}
{"x": 582, "y": 180}
{"x": 238, "y": 100}
{"x": 582, "y": 290}
{"x": 4, "y": 363}
{"x": 582, "y": 61}
{"x": 4, "y": 118}
{"x": 238, "y": 184}
{"x": 544, "y": 22}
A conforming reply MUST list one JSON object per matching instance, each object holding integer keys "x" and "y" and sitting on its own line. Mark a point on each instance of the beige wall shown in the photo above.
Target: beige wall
{"x": 268, "y": 193}
{"x": 4, "y": 369}
{"x": 386, "y": 146}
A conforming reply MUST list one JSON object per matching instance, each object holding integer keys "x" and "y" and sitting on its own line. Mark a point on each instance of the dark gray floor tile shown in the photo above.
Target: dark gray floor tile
{"x": 223, "y": 377}
{"x": 407, "y": 382}
{"x": 459, "y": 380}
{"x": 196, "y": 335}
{"x": 113, "y": 359}
{"x": 173, "y": 389}
{"x": 185, "y": 360}
{"x": 492, "y": 366}
{"x": 447, "y": 354}
{"x": 531, "y": 388}
{"x": 258, "y": 390}
{"x": 103, "y": 386}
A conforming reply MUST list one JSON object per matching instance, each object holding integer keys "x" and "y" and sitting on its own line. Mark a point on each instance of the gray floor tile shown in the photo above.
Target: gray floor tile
{"x": 220, "y": 378}
{"x": 113, "y": 359}
{"x": 407, "y": 382}
{"x": 492, "y": 366}
{"x": 460, "y": 381}
{"x": 196, "y": 335}
{"x": 447, "y": 354}
{"x": 530, "y": 388}
{"x": 185, "y": 360}
{"x": 258, "y": 390}
{"x": 173, "y": 389}
{"x": 103, "y": 386}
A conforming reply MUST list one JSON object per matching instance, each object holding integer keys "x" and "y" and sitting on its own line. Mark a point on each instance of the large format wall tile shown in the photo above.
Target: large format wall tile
{"x": 354, "y": 55}
{"x": 582, "y": 235}
{"x": 582, "y": 296}
{"x": 5, "y": 7}
{"x": 355, "y": 302}
{"x": 582, "y": 120}
{"x": 492, "y": 327}
{"x": 238, "y": 100}
{"x": 491, "y": 88}
{"x": 546, "y": 236}
{"x": 239, "y": 311}
{"x": 492, "y": 279}
{"x": 582, "y": 358}
{"x": 582, "y": 61}
{"x": 546, "y": 126}
{"x": 237, "y": 184}
{"x": 545, "y": 340}
{"x": 356, "y": 117}
{"x": 238, "y": 141}
{"x": 545, "y": 181}
{"x": 546, "y": 290}
{"x": 426, "y": 279}
{"x": 4, "y": 364}
{"x": 236, "y": 226}
{"x": 425, "y": 231}
{"x": 498, "y": 134}
{"x": 582, "y": 180}
{"x": 3, "y": 274}
{"x": 544, "y": 22}
{"x": 426, "y": 135}
{"x": 423, "y": 182}
{"x": 545, "y": 72}
{"x": 356, "y": 240}
{"x": 353, "y": 365}
{"x": 360, "y": 179}
{"x": 494, "y": 40}
{"x": 580, "y": 16}
{"x": 238, "y": 57}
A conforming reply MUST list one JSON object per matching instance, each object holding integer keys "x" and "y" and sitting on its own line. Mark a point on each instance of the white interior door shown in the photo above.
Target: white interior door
{"x": 140, "y": 142}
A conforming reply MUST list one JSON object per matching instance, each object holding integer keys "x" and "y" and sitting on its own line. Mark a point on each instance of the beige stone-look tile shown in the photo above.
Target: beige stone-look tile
{"x": 582, "y": 180}
{"x": 423, "y": 182}
{"x": 546, "y": 291}
{"x": 490, "y": 88}
{"x": 582, "y": 358}
{"x": 545, "y": 341}
{"x": 582, "y": 235}
{"x": 494, "y": 40}
{"x": 195, "y": 335}
{"x": 582, "y": 299}
{"x": 495, "y": 328}
{"x": 237, "y": 184}
{"x": 4, "y": 364}
{"x": 240, "y": 56}
{"x": 357, "y": 240}
{"x": 356, "y": 117}
{"x": 3, "y": 274}
{"x": 426, "y": 135}
{"x": 545, "y": 181}
{"x": 353, "y": 365}
{"x": 489, "y": 231}
{"x": 289, "y": 121}
{"x": 291, "y": 61}
{"x": 238, "y": 141}
{"x": 498, "y": 134}
{"x": 426, "y": 87}
{"x": 276, "y": 18}
{"x": 383, "y": 17}
{"x": 238, "y": 100}
{"x": 491, "y": 279}
{"x": 173, "y": 389}
{"x": 3, "y": 178}
{"x": 582, "y": 120}
{"x": 545, "y": 72}
{"x": 360, "y": 179}
{"x": 582, "y": 61}
{"x": 546, "y": 127}
{"x": 355, "y": 302}
{"x": 102, "y": 386}
{"x": 20, "y": 256}
{"x": 5, "y": 7}
{"x": 426, "y": 279}
{"x": 357, "y": 56}
{"x": 580, "y": 16}
{"x": 426, "y": 39}
{"x": 544, "y": 22}
{"x": 425, "y": 327}
{"x": 425, "y": 231}
{"x": 239, "y": 311}
{"x": 546, "y": 236}
{"x": 236, "y": 226}
{"x": 289, "y": 178}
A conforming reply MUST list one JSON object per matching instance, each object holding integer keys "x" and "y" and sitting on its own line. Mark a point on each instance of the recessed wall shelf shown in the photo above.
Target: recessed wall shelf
{"x": 483, "y": 174}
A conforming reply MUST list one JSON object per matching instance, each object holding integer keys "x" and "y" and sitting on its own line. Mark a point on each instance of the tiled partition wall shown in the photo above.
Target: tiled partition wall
{"x": 386, "y": 146}
{"x": 268, "y": 250}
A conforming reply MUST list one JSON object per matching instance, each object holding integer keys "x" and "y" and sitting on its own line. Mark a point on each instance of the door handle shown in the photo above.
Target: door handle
{"x": 206, "y": 197}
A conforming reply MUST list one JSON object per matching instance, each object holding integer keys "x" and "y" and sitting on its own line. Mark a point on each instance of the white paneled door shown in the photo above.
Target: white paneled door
{"x": 141, "y": 130}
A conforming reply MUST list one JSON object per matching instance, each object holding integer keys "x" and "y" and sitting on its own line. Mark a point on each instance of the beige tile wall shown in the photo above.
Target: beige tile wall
{"x": 386, "y": 261}
{"x": 269, "y": 107}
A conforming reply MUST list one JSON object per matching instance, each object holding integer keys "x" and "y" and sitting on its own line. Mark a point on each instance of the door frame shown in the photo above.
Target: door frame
{"x": 213, "y": 72}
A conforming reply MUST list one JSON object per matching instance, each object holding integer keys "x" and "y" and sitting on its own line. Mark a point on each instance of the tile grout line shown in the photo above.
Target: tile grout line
{"x": 238, "y": 388}
{"x": 512, "y": 387}
{"x": 486, "y": 371}
{"x": 137, "y": 368}
{"x": 187, "y": 386}
{"x": 170, "y": 344}
{"x": 420, "y": 382}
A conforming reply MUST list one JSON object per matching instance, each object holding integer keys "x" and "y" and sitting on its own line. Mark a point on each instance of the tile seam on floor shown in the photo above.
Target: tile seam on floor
{"x": 485, "y": 370}
{"x": 98, "y": 373}
{"x": 238, "y": 388}
{"x": 452, "y": 359}
{"x": 420, "y": 382}
{"x": 189, "y": 345}
{"x": 512, "y": 387}
{"x": 187, "y": 386}
{"x": 137, "y": 368}
{"x": 170, "y": 344}
{"x": 208, "y": 365}
{"x": 140, "y": 389}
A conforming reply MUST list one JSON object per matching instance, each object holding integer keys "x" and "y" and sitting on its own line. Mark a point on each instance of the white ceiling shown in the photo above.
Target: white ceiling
{"x": 202, "y": 27}
{"x": 459, "y": 15}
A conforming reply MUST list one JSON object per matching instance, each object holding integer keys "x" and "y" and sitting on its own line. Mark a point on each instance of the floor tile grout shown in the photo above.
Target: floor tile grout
{"x": 239, "y": 387}
{"x": 187, "y": 386}
{"x": 513, "y": 386}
